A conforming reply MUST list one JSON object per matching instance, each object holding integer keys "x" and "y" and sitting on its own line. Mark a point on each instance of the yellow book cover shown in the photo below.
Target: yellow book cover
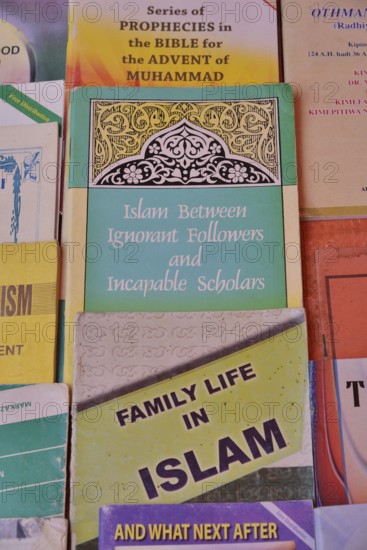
{"x": 325, "y": 57}
{"x": 172, "y": 43}
{"x": 188, "y": 406}
{"x": 28, "y": 305}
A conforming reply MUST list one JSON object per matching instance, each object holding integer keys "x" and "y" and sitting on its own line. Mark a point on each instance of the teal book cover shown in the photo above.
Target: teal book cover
{"x": 181, "y": 200}
{"x": 33, "y": 441}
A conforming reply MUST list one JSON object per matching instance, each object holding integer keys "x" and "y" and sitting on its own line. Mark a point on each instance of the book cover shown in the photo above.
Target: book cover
{"x": 29, "y": 102}
{"x": 33, "y": 37}
{"x": 260, "y": 526}
{"x": 33, "y": 534}
{"x": 342, "y": 286}
{"x": 333, "y": 253}
{"x": 325, "y": 53}
{"x": 341, "y": 527}
{"x": 184, "y": 202}
{"x": 230, "y": 43}
{"x": 227, "y": 392}
{"x": 339, "y": 438}
{"x": 29, "y": 177}
{"x": 28, "y": 305}
{"x": 33, "y": 435}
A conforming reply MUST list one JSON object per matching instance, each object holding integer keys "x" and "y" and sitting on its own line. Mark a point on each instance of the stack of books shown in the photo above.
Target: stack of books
{"x": 183, "y": 255}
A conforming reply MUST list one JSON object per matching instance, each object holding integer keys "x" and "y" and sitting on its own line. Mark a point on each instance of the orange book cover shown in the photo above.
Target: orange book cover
{"x": 335, "y": 285}
{"x": 334, "y": 261}
{"x": 328, "y": 457}
{"x": 342, "y": 286}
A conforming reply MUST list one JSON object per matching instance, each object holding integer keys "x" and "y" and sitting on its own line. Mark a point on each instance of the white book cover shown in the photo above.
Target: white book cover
{"x": 325, "y": 54}
{"x": 33, "y": 534}
{"x": 341, "y": 527}
{"x": 29, "y": 176}
{"x": 352, "y": 403}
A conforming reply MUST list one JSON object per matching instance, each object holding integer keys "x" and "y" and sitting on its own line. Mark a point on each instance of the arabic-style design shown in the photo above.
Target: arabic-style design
{"x": 18, "y": 171}
{"x": 185, "y": 155}
{"x": 184, "y": 143}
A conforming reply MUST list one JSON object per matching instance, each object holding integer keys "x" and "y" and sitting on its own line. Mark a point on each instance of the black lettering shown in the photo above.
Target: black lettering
{"x": 253, "y": 438}
{"x": 165, "y": 473}
{"x": 226, "y": 446}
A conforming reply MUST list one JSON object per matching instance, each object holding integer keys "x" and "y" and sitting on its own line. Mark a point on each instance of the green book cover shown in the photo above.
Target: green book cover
{"x": 181, "y": 200}
{"x": 33, "y": 436}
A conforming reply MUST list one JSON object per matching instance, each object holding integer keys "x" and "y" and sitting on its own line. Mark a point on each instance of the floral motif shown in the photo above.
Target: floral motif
{"x": 186, "y": 155}
{"x": 248, "y": 128}
{"x": 237, "y": 174}
{"x": 132, "y": 174}
{"x": 215, "y": 148}
{"x": 154, "y": 149}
